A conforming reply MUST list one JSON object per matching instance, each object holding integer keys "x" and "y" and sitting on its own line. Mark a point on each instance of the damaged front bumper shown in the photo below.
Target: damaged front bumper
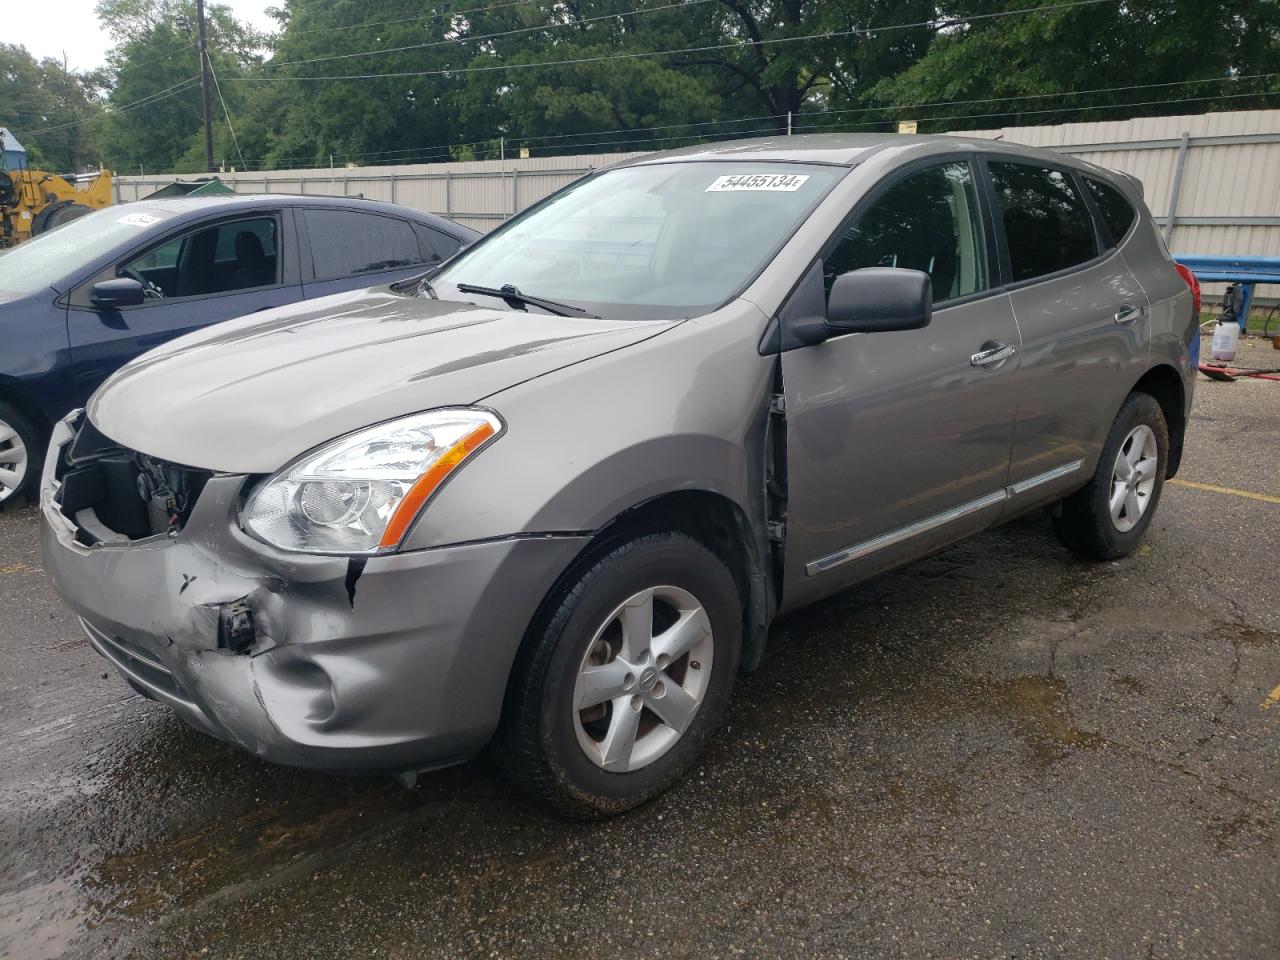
{"x": 390, "y": 662}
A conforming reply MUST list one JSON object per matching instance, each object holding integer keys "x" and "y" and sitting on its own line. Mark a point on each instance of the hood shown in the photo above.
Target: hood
{"x": 249, "y": 395}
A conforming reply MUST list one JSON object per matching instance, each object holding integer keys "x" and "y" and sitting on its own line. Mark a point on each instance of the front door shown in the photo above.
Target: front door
{"x": 898, "y": 442}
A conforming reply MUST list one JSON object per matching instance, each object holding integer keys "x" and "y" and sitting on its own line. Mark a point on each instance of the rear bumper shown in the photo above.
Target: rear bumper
{"x": 401, "y": 661}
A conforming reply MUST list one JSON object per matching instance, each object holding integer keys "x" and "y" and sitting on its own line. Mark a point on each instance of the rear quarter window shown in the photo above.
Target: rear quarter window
{"x": 1117, "y": 212}
{"x": 1047, "y": 225}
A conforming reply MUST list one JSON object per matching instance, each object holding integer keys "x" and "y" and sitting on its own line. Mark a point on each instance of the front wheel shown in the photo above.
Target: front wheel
{"x": 1106, "y": 519}
{"x": 622, "y": 685}
{"x": 21, "y": 455}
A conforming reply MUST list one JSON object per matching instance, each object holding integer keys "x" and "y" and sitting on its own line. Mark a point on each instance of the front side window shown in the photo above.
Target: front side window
{"x": 235, "y": 255}
{"x": 346, "y": 244}
{"x": 1046, "y": 224}
{"x": 1117, "y": 212}
{"x": 659, "y": 241}
{"x": 927, "y": 221}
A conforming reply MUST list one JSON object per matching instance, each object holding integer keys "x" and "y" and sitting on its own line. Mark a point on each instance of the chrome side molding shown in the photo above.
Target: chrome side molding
{"x": 901, "y": 534}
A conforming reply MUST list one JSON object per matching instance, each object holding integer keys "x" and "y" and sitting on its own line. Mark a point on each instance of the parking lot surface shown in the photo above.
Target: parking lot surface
{"x": 998, "y": 751}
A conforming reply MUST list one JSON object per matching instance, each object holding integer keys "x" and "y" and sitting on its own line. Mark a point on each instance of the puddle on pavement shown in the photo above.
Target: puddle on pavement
{"x": 1038, "y": 705}
{"x": 1244, "y": 635}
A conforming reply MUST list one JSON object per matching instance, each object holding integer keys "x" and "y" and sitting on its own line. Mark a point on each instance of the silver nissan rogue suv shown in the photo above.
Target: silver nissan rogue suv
{"x": 551, "y": 495}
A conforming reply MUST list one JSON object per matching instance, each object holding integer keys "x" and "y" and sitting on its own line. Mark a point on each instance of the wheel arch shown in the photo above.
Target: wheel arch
{"x": 13, "y": 394}
{"x": 1165, "y": 385}
{"x": 708, "y": 517}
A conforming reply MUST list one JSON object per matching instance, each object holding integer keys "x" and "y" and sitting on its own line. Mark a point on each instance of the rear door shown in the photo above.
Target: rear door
{"x": 205, "y": 273}
{"x": 898, "y": 442}
{"x": 1085, "y": 324}
{"x": 354, "y": 249}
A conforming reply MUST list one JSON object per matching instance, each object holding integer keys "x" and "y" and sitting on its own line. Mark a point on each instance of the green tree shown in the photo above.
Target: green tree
{"x": 47, "y": 105}
{"x": 153, "y": 114}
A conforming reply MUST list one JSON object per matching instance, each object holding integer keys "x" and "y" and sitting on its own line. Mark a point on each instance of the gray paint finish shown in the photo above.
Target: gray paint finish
{"x": 896, "y": 444}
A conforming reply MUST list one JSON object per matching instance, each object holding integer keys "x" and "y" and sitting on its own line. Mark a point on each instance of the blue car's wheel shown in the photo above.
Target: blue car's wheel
{"x": 20, "y": 455}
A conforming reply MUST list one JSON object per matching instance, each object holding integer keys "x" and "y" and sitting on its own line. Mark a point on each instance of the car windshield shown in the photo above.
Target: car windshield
{"x": 45, "y": 260}
{"x": 651, "y": 241}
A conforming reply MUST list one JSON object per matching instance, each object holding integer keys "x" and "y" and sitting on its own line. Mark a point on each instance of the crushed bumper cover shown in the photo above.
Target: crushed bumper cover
{"x": 392, "y": 662}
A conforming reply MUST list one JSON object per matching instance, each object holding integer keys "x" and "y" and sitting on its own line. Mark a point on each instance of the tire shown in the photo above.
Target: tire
{"x": 21, "y": 456}
{"x": 576, "y": 760}
{"x": 1087, "y": 525}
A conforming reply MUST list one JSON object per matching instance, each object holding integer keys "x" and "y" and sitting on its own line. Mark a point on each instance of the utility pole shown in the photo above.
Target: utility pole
{"x": 204, "y": 89}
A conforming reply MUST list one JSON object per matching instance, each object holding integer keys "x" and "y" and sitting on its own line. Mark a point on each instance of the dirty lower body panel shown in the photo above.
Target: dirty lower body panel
{"x": 318, "y": 661}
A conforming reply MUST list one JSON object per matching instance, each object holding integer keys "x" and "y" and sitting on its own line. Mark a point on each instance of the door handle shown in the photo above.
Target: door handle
{"x": 1127, "y": 313}
{"x": 992, "y": 354}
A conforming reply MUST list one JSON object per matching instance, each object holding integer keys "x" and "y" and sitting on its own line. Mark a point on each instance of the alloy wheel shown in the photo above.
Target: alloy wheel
{"x": 642, "y": 679}
{"x": 1133, "y": 477}
{"x": 14, "y": 461}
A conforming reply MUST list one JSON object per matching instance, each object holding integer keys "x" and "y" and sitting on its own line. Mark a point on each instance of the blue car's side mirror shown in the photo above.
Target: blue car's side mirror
{"x": 120, "y": 292}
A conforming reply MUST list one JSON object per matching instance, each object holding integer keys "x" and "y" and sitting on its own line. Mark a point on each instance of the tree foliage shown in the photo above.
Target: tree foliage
{"x": 381, "y": 81}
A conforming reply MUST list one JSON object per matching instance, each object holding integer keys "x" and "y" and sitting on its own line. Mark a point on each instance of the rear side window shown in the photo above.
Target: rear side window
{"x": 442, "y": 245}
{"x": 1046, "y": 223}
{"x": 345, "y": 243}
{"x": 927, "y": 221}
{"x": 1117, "y": 212}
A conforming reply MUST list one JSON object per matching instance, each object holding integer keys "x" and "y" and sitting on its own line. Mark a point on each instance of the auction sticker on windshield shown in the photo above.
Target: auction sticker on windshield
{"x": 785, "y": 182}
{"x": 138, "y": 220}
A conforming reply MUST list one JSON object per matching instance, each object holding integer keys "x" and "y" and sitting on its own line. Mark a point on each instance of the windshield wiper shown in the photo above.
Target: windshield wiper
{"x": 515, "y": 298}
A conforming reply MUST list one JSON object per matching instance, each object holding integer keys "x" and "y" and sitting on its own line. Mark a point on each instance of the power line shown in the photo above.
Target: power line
{"x": 171, "y": 91}
{"x": 225, "y": 112}
{"x": 830, "y": 35}
{"x": 417, "y": 16}
{"x": 494, "y": 36}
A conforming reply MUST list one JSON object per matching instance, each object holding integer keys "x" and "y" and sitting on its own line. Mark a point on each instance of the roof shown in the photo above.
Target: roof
{"x": 844, "y": 149}
{"x": 232, "y": 202}
{"x": 9, "y": 142}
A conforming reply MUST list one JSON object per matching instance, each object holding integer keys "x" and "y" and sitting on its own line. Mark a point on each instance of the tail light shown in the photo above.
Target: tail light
{"x": 1194, "y": 284}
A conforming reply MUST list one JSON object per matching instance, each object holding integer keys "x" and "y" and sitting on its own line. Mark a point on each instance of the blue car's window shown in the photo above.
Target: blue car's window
{"x": 667, "y": 240}
{"x": 236, "y": 255}
{"x": 45, "y": 261}
{"x": 346, "y": 244}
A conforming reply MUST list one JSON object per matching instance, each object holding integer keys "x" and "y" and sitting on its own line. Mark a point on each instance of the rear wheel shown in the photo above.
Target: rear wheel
{"x": 21, "y": 453}
{"x": 623, "y": 684}
{"x": 1107, "y": 518}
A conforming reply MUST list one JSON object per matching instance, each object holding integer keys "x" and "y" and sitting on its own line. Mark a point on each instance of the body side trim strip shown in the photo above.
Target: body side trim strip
{"x": 868, "y": 547}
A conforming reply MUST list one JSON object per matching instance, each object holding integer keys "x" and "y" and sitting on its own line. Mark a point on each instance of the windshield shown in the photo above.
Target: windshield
{"x": 661, "y": 241}
{"x": 45, "y": 260}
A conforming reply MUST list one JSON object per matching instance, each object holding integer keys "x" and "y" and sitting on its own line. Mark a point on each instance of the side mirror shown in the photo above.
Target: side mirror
{"x": 120, "y": 292}
{"x": 880, "y": 298}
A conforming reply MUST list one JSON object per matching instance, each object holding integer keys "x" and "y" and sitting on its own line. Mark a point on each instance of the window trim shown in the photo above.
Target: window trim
{"x": 309, "y": 263}
{"x": 890, "y": 180}
{"x": 1102, "y": 225}
{"x": 79, "y": 297}
{"x": 986, "y": 159}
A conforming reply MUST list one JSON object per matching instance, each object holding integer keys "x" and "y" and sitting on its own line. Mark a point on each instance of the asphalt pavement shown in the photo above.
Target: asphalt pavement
{"x": 996, "y": 752}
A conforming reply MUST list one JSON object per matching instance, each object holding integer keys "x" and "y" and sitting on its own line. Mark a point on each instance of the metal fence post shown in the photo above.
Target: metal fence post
{"x": 1179, "y": 164}
{"x": 393, "y": 185}
{"x": 448, "y": 194}
{"x": 515, "y": 191}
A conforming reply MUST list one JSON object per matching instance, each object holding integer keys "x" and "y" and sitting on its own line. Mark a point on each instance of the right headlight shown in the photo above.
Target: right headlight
{"x": 361, "y": 493}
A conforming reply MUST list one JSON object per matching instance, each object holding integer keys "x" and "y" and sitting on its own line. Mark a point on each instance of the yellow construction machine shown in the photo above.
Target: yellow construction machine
{"x": 33, "y": 201}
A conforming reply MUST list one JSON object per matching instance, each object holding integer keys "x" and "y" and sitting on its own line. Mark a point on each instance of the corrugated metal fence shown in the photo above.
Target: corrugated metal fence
{"x": 478, "y": 193}
{"x": 1212, "y": 180}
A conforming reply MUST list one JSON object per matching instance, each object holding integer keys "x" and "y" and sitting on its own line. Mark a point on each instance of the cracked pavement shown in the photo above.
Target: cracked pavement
{"x": 995, "y": 751}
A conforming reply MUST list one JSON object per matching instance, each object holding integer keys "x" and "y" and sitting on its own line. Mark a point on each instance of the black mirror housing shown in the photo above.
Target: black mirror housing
{"x": 875, "y": 299}
{"x": 120, "y": 292}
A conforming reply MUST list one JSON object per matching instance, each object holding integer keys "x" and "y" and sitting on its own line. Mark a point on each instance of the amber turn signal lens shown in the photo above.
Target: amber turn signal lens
{"x": 428, "y": 483}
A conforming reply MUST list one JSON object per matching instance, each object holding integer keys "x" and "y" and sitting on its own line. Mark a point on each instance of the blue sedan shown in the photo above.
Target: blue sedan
{"x": 81, "y": 300}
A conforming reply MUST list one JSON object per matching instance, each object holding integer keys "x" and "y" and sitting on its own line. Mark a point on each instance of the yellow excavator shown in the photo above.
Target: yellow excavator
{"x": 33, "y": 201}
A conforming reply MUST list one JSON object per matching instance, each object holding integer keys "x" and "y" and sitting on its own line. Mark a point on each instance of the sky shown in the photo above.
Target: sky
{"x": 76, "y": 30}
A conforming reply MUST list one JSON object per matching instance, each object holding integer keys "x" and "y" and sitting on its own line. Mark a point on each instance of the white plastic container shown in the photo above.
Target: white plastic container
{"x": 1225, "y": 337}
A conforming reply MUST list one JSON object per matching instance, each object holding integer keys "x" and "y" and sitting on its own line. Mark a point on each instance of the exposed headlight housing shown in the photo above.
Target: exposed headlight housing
{"x": 359, "y": 494}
